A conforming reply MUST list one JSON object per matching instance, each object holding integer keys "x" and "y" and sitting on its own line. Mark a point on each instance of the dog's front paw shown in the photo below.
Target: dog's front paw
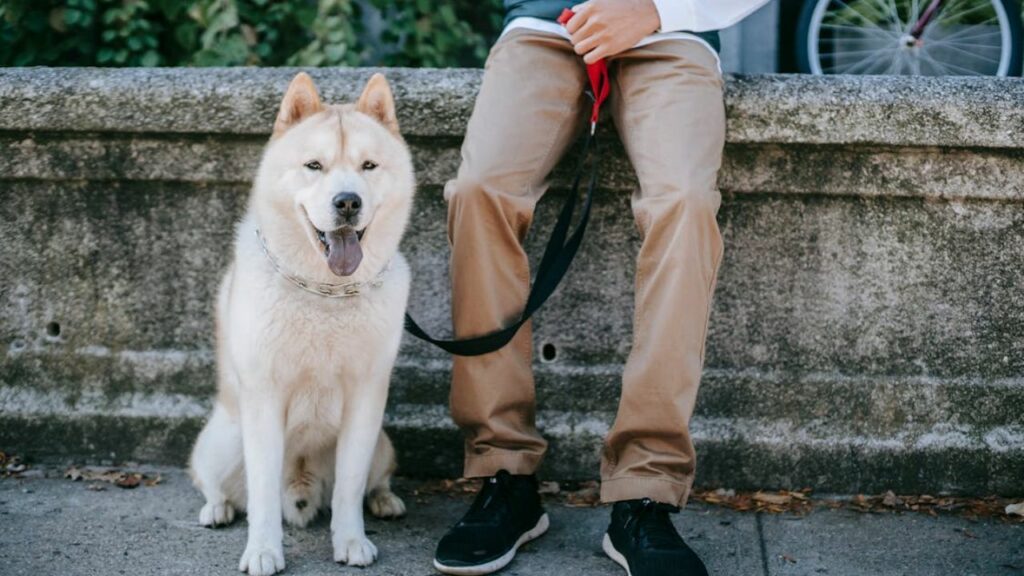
{"x": 261, "y": 560}
{"x": 216, "y": 514}
{"x": 385, "y": 504}
{"x": 358, "y": 551}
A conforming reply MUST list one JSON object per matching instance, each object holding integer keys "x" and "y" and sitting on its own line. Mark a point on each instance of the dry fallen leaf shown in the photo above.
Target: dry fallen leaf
{"x": 11, "y": 465}
{"x": 891, "y": 500}
{"x": 549, "y": 488}
{"x": 589, "y": 494}
{"x": 73, "y": 474}
{"x": 128, "y": 481}
{"x": 802, "y": 503}
{"x": 113, "y": 476}
{"x": 777, "y": 499}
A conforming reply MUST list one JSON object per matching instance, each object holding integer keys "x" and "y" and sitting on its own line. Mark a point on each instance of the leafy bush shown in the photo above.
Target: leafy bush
{"x": 247, "y": 32}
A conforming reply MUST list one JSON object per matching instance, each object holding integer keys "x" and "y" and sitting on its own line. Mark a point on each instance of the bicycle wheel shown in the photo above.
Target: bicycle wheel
{"x": 910, "y": 37}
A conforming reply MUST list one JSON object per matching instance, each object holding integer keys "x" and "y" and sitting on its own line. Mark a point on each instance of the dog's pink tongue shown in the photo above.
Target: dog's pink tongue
{"x": 343, "y": 251}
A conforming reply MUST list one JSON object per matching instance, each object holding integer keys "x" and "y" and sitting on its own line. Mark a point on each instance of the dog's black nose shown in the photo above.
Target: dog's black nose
{"x": 348, "y": 203}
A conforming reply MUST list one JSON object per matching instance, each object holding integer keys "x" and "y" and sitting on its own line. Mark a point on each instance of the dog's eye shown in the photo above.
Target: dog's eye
{"x": 369, "y": 165}
{"x": 313, "y": 165}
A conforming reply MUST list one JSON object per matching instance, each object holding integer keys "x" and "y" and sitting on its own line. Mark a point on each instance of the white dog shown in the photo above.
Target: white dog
{"x": 309, "y": 319}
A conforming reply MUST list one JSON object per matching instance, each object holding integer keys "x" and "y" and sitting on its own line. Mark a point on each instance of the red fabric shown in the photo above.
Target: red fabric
{"x": 597, "y": 72}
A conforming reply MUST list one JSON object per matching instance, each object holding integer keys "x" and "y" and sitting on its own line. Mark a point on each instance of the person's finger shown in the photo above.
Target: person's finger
{"x": 584, "y": 33}
{"x": 582, "y": 6}
{"x": 582, "y": 13}
{"x": 585, "y": 45}
{"x": 595, "y": 55}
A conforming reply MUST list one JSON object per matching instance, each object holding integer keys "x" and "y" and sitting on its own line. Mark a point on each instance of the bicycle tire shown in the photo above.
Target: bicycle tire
{"x": 1011, "y": 7}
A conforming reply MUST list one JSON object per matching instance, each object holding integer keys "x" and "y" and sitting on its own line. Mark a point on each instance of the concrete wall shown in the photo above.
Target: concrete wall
{"x": 866, "y": 333}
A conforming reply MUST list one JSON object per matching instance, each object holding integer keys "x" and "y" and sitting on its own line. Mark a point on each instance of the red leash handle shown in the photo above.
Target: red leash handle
{"x": 598, "y": 75}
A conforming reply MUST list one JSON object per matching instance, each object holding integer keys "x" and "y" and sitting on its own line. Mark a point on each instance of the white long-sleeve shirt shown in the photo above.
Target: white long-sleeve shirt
{"x": 703, "y": 15}
{"x": 676, "y": 16}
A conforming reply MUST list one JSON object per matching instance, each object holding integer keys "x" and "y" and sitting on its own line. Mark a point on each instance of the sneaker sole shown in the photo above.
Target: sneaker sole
{"x": 498, "y": 563}
{"x": 614, "y": 554}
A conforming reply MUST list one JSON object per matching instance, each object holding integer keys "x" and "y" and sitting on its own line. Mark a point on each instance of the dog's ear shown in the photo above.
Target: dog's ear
{"x": 378, "y": 103}
{"x": 301, "y": 100}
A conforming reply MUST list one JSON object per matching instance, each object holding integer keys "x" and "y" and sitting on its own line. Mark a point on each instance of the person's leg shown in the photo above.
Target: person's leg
{"x": 668, "y": 108}
{"x": 529, "y": 109}
{"x": 527, "y": 113}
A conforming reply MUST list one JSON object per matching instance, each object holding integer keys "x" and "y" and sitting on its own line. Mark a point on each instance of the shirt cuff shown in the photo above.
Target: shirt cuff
{"x": 676, "y": 15}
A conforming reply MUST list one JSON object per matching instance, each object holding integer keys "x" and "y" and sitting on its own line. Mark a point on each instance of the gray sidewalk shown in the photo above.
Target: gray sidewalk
{"x": 50, "y": 525}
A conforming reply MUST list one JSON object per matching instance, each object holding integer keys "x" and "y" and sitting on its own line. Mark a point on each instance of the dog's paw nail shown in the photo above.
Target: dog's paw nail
{"x": 218, "y": 514}
{"x": 355, "y": 551}
{"x": 261, "y": 561}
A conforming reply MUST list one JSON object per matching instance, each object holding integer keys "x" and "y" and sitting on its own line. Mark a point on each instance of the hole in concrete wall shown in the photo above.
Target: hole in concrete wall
{"x": 53, "y": 329}
{"x": 548, "y": 352}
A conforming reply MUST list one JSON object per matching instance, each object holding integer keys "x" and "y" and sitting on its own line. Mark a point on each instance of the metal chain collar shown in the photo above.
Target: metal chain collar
{"x": 324, "y": 289}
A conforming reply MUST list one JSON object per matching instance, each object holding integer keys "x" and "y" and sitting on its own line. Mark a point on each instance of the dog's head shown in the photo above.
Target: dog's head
{"x": 341, "y": 174}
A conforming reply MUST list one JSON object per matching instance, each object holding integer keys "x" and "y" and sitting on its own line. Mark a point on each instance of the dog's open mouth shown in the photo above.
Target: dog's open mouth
{"x": 342, "y": 249}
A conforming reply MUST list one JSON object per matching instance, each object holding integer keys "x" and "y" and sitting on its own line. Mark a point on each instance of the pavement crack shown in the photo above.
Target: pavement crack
{"x": 760, "y": 539}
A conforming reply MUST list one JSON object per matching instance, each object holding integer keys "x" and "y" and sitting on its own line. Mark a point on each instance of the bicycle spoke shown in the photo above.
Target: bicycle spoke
{"x": 846, "y": 68}
{"x": 859, "y": 52}
{"x": 934, "y": 69}
{"x": 945, "y": 17}
{"x": 895, "y": 65}
{"x": 996, "y": 47}
{"x": 896, "y": 15}
{"x": 888, "y": 9}
{"x": 963, "y": 35}
{"x": 858, "y": 13}
{"x": 969, "y": 53}
{"x": 937, "y": 67}
{"x": 851, "y": 68}
{"x": 915, "y": 13}
{"x": 876, "y": 31}
{"x": 968, "y": 71}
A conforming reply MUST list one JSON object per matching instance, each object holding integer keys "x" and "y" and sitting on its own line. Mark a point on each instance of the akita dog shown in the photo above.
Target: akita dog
{"x": 309, "y": 320}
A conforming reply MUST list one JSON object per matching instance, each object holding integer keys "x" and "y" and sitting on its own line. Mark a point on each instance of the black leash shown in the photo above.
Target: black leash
{"x": 558, "y": 255}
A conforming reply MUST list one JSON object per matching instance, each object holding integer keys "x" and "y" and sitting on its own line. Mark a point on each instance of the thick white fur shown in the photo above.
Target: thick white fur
{"x": 303, "y": 379}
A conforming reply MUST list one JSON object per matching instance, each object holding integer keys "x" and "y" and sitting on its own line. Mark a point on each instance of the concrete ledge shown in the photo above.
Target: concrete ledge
{"x": 865, "y": 334}
{"x": 784, "y": 109}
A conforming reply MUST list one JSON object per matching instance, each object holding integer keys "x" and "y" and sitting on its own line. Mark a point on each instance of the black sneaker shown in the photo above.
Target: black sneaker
{"x": 642, "y": 539}
{"x": 505, "y": 515}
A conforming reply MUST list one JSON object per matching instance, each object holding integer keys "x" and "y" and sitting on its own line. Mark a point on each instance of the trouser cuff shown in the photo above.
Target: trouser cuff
{"x": 515, "y": 462}
{"x": 665, "y": 490}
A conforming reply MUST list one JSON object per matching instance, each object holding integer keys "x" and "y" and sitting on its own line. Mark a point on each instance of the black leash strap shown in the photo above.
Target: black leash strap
{"x": 558, "y": 255}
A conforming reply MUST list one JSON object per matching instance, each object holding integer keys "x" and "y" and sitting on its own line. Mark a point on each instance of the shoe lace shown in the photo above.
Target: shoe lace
{"x": 493, "y": 497}
{"x": 651, "y": 524}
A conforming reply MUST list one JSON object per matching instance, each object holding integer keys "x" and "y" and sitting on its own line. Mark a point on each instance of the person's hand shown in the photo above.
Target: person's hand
{"x": 603, "y": 28}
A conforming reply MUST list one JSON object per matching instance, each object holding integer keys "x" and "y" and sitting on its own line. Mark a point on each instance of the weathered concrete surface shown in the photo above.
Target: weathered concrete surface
{"x": 868, "y": 329}
{"x": 55, "y": 526}
{"x": 901, "y": 111}
{"x": 845, "y": 542}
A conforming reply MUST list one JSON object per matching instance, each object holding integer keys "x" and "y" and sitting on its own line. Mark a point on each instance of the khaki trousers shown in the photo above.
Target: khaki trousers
{"x": 667, "y": 105}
